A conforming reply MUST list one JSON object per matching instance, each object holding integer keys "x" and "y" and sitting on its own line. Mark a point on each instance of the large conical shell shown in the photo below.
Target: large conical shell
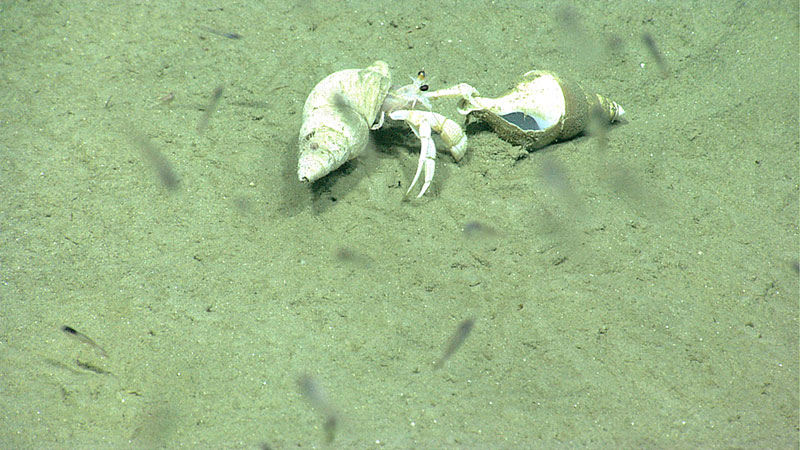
{"x": 337, "y": 117}
{"x": 542, "y": 108}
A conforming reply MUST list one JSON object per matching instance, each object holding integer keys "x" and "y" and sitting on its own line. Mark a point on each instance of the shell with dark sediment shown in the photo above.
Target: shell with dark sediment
{"x": 543, "y": 108}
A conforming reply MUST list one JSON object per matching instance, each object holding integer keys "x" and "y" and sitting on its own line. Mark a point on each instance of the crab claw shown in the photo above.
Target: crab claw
{"x": 422, "y": 123}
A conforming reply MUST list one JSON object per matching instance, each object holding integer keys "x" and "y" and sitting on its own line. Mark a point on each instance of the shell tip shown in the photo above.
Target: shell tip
{"x": 310, "y": 169}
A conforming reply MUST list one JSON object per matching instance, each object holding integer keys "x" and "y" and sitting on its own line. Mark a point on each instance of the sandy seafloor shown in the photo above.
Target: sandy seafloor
{"x": 638, "y": 295}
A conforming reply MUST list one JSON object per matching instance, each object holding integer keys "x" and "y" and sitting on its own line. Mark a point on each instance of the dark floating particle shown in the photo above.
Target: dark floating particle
{"x": 313, "y": 393}
{"x": 475, "y": 229}
{"x": 202, "y": 124}
{"x": 650, "y": 43}
{"x": 82, "y": 338}
{"x": 220, "y": 33}
{"x": 458, "y": 338}
{"x": 353, "y": 257}
{"x": 162, "y": 167}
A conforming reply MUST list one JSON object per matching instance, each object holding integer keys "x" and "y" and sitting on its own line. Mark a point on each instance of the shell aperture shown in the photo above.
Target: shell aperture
{"x": 524, "y": 121}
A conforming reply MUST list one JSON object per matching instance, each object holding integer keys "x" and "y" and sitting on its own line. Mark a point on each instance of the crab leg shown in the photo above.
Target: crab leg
{"x": 462, "y": 90}
{"x": 427, "y": 157}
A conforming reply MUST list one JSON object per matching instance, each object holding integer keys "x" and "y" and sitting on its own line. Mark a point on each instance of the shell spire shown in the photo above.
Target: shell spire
{"x": 337, "y": 116}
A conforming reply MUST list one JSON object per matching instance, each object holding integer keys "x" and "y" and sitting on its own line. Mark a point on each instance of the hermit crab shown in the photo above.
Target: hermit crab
{"x": 343, "y": 107}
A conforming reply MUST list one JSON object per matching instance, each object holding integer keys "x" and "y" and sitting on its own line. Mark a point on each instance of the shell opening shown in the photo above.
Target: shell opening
{"x": 524, "y": 121}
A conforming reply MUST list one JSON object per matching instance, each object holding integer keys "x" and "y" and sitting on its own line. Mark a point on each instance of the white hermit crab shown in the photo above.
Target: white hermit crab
{"x": 345, "y": 105}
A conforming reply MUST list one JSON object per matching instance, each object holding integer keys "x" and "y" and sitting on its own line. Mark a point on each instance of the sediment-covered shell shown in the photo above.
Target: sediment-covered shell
{"x": 542, "y": 108}
{"x": 337, "y": 117}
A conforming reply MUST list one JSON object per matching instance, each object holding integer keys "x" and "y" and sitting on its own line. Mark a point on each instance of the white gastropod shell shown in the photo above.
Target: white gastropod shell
{"x": 542, "y": 108}
{"x": 337, "y": 117}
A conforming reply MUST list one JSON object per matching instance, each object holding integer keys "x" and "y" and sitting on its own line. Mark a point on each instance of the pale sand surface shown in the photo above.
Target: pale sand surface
{"x": 651, "y": 303}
